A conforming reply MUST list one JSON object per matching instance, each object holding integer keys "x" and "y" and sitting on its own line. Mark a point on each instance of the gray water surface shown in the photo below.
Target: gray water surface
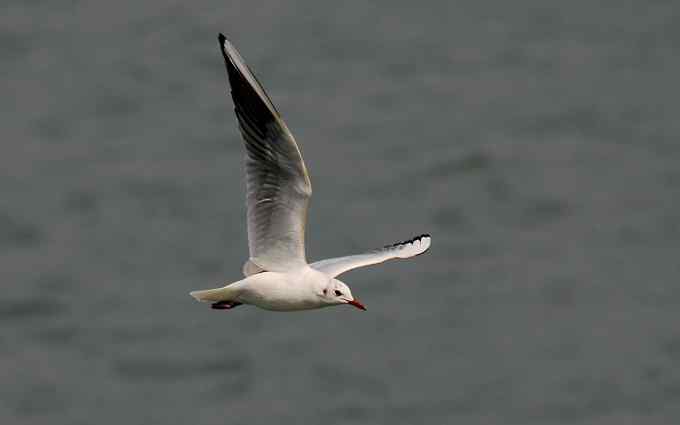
{"x": 538, "y": 142}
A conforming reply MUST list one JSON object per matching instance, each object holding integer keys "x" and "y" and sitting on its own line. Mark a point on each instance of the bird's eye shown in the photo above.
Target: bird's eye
{"x": 338, "y": 293}
{"x": 325, "y": 291}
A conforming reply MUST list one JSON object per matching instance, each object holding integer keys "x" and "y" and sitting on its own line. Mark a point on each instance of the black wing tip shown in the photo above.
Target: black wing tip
{"x": 228, "y": 60}
{"x": 417, "y": 238}
{"x": 223, "y": 41}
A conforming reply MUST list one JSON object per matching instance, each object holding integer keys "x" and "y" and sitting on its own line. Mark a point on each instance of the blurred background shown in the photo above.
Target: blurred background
{"x": 538, "y": 142}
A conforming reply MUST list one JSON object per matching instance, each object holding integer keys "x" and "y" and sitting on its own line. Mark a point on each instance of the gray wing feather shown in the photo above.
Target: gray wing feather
{"x": 277, "y": 183}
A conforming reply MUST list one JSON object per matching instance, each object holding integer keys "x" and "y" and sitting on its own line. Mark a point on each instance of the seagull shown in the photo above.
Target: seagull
{"x": 278, "y": 189}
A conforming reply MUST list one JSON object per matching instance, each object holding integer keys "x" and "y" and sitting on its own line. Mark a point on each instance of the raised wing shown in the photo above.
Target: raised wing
{"x": 336, "y": 266}
{"x": 277, "y": 183}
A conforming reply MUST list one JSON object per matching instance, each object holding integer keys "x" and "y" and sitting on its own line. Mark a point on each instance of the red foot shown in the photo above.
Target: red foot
{"x": 225, "y": 305}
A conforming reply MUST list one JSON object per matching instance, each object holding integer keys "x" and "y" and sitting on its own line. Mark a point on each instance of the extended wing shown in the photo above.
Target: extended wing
{"x": 277, "y": 183}
{"x": 336, "y": 266}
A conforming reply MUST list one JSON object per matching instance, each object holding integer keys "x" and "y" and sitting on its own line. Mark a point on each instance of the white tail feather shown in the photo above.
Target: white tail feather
{"x": 213, "y": 295}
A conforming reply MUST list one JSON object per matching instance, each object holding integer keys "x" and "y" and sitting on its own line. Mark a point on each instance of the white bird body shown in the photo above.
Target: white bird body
{"x": 278, "y": 189}
{"x": 300, "y": 289}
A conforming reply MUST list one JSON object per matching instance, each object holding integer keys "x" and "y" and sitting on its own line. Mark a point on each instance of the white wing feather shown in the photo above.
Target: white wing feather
{"x": 333, "y": 267}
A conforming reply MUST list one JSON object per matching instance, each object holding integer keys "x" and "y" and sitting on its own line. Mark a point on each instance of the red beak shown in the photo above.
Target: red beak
{"x": 357, "y": 304}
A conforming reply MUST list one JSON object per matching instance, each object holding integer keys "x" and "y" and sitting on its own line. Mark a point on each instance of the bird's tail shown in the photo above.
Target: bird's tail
{"x": 213, "y": 295}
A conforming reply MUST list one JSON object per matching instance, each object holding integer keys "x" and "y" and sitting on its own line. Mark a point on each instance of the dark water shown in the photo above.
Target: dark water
{"x": 537, "y": 141}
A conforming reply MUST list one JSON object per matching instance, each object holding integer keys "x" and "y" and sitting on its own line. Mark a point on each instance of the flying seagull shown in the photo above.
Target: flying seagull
{"x": 277, "y": 275}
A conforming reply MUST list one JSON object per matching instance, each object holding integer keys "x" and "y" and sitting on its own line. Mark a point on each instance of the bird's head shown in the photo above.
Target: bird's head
{"x": 336, "y": 293}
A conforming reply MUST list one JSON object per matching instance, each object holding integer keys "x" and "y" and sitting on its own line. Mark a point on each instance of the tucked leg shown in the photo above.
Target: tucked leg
{"x": 225, "y": 305}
